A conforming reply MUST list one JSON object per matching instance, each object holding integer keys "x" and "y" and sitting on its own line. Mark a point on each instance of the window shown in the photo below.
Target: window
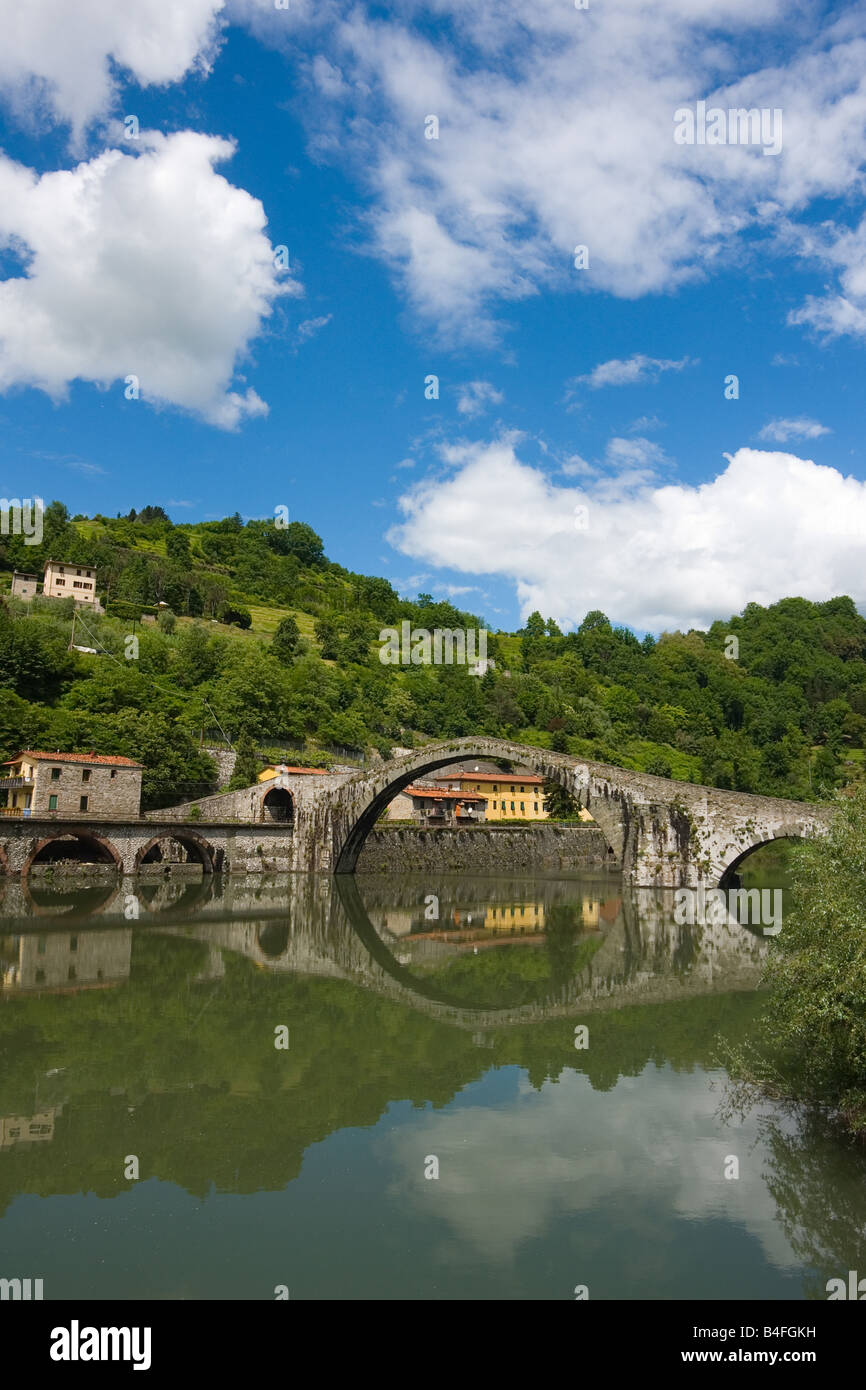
{"x": 52, "y": 803}
{"x": 78, "y": 571}
{"x": 40, "y": 977}
{"x": 60, "y": 569}
{"x": 61, "y": 581}
{"x": 512, "y": 787}
{"x": 82, "y": 804}
{"x": 70, "y": 974}
{"x": 41, "y": 946}
{"x": 85, "y": 776}
{"x": 55, "y": 774}
{"x": 512, "y": 804}
{"x": 114, "y": 772}
{"x": 521, "y": 788}
{"x": 496, "y": 786}
{"x": 73, "y": 943}
{"x": 535, "y": 808}
{"x": 522, "y": 807}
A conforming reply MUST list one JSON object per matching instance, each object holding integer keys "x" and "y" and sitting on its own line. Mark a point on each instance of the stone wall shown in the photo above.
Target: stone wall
{"x": 483, "y": 849}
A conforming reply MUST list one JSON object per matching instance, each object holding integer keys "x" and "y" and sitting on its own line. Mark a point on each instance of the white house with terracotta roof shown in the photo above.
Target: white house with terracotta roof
{"x": 76, "y": 785}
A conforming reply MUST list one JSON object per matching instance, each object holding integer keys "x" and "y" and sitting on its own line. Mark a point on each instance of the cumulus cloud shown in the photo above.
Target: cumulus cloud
{"x": 629, "y": 371}
{"x": 475, "y": 396}
{"x": 556, "y": 130}
{"x": 62, "y": 57}
{"x": 780, "y": 431}
{"x": 653, "y": 555}
{"x": 149, "y": 265}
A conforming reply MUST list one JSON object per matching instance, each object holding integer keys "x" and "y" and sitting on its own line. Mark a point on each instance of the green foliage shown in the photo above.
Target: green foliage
{"x": 248, "y": 764}
{"x": 812, "y": 1041}
{"x": 286, "y": 641}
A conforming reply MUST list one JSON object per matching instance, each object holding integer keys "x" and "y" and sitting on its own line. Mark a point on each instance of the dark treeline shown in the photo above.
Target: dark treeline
{"x": 262, "y": 636}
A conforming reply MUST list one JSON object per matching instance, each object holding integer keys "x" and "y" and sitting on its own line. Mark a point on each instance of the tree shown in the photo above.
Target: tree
{"x": 560, "y": 803}
{"x": 659, "y": 767}
{"x": 167, "y": 622}
{"x": 235, "y": 616}
{"x": 286, "y": 641}
{"x": 812, "y": 1039}
{"x": 248, "y": 764}
{"x": 328, "y": 637}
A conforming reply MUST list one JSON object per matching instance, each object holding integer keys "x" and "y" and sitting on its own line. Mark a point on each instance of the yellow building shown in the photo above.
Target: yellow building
{"x": 70, "y": 581}
{"x": 517, "y": 917}
{"x": 509, "y": 795}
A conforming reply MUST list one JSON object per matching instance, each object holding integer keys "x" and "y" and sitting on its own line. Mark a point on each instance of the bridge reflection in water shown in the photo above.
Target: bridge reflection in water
{"x": 467, "y": 951}
{"x": 140, "y": 1020}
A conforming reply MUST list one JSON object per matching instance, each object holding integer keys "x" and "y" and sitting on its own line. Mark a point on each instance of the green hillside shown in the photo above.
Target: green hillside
{"x": 261, "y": 635}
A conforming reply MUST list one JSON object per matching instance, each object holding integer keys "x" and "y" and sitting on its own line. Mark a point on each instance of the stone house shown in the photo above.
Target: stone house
{"x": 78, "y": 785}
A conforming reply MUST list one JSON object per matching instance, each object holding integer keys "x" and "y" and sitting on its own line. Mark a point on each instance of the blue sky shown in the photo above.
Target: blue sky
{"x": 601, "y": 387}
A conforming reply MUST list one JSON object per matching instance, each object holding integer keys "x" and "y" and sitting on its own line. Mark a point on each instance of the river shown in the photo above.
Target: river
{"x": 396, "y": 1088}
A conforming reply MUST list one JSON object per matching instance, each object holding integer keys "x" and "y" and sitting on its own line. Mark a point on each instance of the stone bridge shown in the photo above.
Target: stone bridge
{"x": 663, "y": 833}
{"x": 660, "y": 833}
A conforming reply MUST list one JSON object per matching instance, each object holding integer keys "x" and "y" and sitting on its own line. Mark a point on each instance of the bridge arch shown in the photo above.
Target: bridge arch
{"x": 195, "y": 845}
{"x": 363, "y": 799}
{"x": 729, "y": 876}
{"x": 80, "y": 835}
{"x": 278, "y": 805}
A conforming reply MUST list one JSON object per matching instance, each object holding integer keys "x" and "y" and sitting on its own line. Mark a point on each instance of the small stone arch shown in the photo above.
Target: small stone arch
{"x": 190, "y": 841}
{"x": 278, "y": 805}
{"x": 108, "y": 853}
{"x": 730, "y": 875}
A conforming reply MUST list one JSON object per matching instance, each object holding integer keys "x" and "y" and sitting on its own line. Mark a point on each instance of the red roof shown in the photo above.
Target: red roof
{"x": 441, "y": 795}
{"x": 489, "y": 777}
{"x": 108, "y": 759}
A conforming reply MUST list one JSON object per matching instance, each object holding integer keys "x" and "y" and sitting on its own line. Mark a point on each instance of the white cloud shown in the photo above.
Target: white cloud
{"x": 60, "y": 56}
{"x": 475, "y": 396}
{"x": 658, "y": 1135}
{"x": 556, "y": 129}
{"x": 629, "y": 371}
{"x": 655, "y": 556}
{"x": 310, "y": 327}
{"x": 148, "y": 264}
{"x": 781, "y": 431}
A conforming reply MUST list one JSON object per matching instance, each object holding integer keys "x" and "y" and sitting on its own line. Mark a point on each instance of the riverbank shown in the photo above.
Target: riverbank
{"x": 484, "y": 848}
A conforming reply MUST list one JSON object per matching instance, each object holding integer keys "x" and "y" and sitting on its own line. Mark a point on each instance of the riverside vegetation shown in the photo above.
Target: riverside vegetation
{"x": 266, "y": 639}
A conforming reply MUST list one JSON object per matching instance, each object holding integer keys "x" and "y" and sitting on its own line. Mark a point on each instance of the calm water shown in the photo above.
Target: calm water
{"x": 430, "y": 1022}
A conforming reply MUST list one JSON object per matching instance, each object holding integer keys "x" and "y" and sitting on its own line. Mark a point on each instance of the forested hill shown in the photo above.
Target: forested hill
{"x": 268, "y": 640}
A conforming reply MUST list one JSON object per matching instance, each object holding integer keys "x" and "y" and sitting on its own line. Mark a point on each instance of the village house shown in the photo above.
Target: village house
{"x": 436, "y": 806}
{"x": 517, "y": 795}
{"x": 70, "y": 784}
{"x": 60, "y": 580}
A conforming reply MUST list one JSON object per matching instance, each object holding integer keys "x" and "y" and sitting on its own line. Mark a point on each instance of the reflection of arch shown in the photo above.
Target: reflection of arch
{"x": 278, "y": 805}
{"x": 731, "y": 873}
{"x": 197, "y": 849}
{"x": 79, "y": 904}
{"x": 4, "y": 862}
{"x": 182, "y": 898}
{"x": 83, "y": 839}
{"x": 273, "y": 939}
{"x": 606, "y": 816}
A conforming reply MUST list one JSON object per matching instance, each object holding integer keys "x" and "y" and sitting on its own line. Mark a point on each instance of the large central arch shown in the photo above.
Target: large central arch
{"x": 358, "y": 813}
